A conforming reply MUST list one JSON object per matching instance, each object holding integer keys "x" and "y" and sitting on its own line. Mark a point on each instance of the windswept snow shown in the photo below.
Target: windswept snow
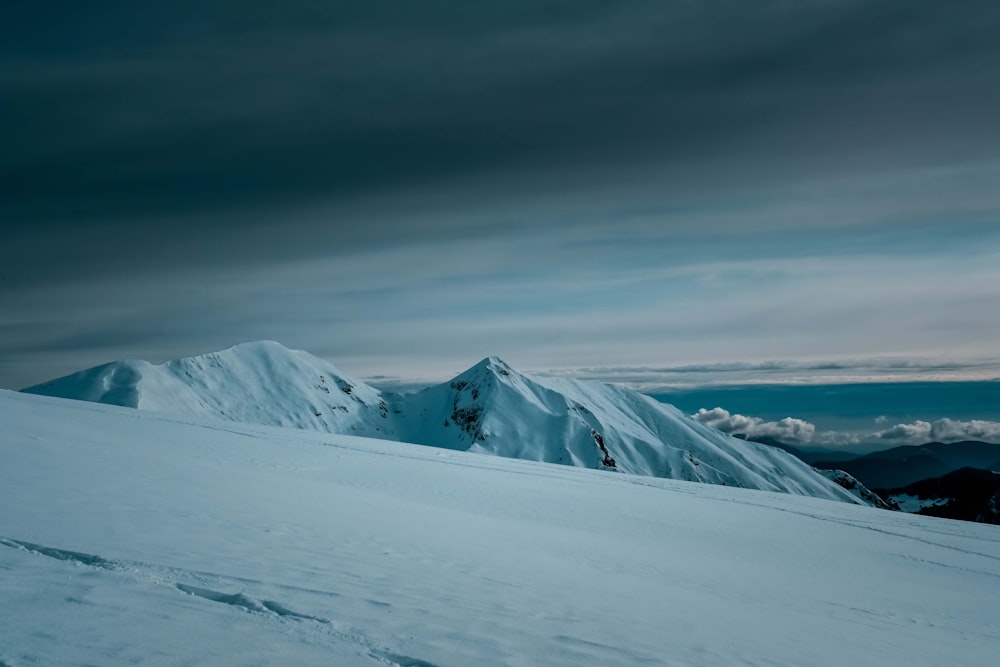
{"x": 136, "y": 537}
{"x": 490, "y": 408}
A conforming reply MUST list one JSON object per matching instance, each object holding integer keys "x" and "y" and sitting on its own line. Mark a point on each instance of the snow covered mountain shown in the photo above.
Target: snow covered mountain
{"x": 137, "y": 537}
{"x": 261, "y": 382}
{"x": 494, "y": 409}
{"x": 490, "y": 408}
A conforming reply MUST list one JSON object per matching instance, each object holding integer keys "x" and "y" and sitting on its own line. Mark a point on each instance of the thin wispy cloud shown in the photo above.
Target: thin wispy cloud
{"x": 790, "y": 372}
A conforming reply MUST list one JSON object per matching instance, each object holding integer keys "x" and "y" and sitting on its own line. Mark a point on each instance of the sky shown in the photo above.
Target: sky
{"x": 405, "y": 188}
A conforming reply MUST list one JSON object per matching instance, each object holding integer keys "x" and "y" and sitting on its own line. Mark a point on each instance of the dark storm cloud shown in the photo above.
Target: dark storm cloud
{"x": 437, "y": 180}
{"x": 172, "y": 127}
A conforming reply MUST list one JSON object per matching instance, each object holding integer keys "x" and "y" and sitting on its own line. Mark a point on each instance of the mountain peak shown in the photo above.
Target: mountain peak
{"x": 490, "y": 408}
{"x": 254, "y": 349}
{"x": 260, "y": 382}
{"x": 488, "y": 370}
{"x": 257, "y": 346}
{"x": 496, "y": 364}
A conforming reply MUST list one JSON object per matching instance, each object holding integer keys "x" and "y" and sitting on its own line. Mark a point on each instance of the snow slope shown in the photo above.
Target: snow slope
{"x": 490, "y": 408}
{"x": 136, "y": 537}
{"x": 261, "y": 382}
{"x": 494, "y": 409}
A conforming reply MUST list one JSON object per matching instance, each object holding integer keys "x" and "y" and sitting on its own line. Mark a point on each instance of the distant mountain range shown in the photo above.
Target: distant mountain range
{"x": 901, "y": 466}
{"x": 490, "y": 408}
{"x": 957, "y": 480}
{"x": 969, "y": 494}
{"x": 809, "y": 455}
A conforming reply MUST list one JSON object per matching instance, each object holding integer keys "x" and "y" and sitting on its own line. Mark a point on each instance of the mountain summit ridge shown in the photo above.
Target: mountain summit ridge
{"x": 490, "y": 408}
{"x": 260, "y": 382}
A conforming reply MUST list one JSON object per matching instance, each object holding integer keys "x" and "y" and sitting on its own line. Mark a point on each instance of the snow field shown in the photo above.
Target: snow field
{"x": 209, "y": 542}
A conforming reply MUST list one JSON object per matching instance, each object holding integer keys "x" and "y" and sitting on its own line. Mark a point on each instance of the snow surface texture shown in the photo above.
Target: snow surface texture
{"x": 490, "y": 408}
{"x": 137, "y": 537}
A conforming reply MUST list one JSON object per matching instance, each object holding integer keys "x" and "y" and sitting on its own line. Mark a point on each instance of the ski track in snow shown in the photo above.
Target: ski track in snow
{"x": 863, "y": 526}
{"x": 462, "y": 459}
{"x": 448, "y": 457}
{"x": 259, "y": 609}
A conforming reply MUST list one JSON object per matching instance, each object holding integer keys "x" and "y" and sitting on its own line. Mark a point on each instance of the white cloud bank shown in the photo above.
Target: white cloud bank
{"x": 943, "y": 430}
{"x": 799, "y": 431}
{"x": 788, "y": 429}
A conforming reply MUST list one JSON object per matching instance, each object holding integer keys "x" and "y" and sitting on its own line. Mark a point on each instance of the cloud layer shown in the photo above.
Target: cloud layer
{"x": 797, "y": 431}
{"x": 942, "y": 430}
{"x": 788, "y": 430}
{"x": 406, "y": 187}
{"x": 652, "y": 379}
{"x": 138, "y": 112}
